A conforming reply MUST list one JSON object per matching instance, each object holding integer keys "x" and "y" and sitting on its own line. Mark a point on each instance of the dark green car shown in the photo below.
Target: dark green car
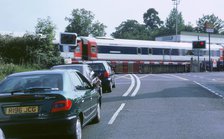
{"x": 58, "y": 102}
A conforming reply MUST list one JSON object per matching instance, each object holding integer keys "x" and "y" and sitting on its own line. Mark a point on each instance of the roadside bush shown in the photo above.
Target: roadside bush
{"x": 6, "y": 69}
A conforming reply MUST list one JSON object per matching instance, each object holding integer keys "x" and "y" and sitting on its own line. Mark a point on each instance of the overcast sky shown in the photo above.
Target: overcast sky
{"x": 22, "y": 15}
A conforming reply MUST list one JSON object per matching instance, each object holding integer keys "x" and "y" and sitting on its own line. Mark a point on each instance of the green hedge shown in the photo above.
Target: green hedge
{"x": 6, "y": 69}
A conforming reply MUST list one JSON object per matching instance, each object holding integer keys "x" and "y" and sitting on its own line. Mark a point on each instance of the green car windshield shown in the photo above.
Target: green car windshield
{"x": 31, "y": 82}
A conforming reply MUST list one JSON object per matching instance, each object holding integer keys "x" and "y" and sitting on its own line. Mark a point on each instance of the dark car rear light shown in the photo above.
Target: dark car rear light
{"x": 62, "y": 105}
{"x": 106, "y": 74}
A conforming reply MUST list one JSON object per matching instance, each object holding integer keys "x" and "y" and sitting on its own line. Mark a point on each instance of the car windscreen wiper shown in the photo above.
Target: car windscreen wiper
{"x": 34, "y": 89}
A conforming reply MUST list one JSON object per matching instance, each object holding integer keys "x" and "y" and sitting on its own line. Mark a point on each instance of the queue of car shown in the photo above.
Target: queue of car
{"x": 59, "y": 101}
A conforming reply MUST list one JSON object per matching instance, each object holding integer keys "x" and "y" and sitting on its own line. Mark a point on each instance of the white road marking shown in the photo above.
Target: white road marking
{"x": 163, "y": 76}
{"x": 131, "y": 86}
{"x": 137, "y": 87}
{"x": 212, "y": 91}
{"x": 181, "y": 78}
{"x": 145, "y": 76}
{"x": 124, "y": 76}
{"x": 113, "y": 118}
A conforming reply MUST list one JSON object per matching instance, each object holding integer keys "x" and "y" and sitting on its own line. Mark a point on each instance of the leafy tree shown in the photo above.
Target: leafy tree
{"x": 131, "y": 29}
{"x": 171, "y": 22}
{"x": 189, "y": 28}
{"x": 151, "y": 19}
{"x": 46, "y": 28}
{"x": 31, "y": 48}
{"x": 217, "y": 23}
{"x": 46, "y": 54}
{"x": 98, "y": 29}
{"x": 81, "y": 22}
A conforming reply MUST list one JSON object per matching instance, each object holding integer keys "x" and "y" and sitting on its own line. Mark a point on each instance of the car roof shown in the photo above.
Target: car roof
{"x": 96, "y": 62}
{"x": 72, "y": 65}
{"x": 61, "y": 71}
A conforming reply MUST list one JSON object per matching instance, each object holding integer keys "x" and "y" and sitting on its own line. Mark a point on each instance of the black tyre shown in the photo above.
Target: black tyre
{"x": 114, "y": 85}
{"x": 2, "y": 136}
{"x": 98, "y": 115}
{"x": 109, "y": 87}
{"x": 77, "y": 130}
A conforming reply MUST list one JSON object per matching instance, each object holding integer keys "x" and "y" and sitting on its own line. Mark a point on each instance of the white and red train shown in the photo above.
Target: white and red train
{"x": 132, "y": 56}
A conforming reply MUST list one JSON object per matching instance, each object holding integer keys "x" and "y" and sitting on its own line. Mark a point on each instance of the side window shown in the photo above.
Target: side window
{"x": 86, "y": 83}
{"x": 93, "y": 49}
{"x": 76, "y": 81}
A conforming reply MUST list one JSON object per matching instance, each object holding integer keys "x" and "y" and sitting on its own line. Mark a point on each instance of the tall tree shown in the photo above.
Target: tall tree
{"x": 171, "y": 22}
{"x": 217, "y": 23}
{"x": 45, "y": 53}
{"x": 131, "y": 29}
{"x": 151, "y": 19}
{"x": 46, "y": 27}
{"x": 82, "y": 23}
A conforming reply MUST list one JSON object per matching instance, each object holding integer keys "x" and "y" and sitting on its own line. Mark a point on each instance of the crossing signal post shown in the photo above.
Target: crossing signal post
{"x": 199, "y": 44}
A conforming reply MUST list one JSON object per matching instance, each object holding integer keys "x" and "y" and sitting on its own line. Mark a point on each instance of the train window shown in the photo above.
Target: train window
{"x": 145, "y": 51}
{"x": 71, "y": 48}
{"x": 139, "y": 51}
{"x": 217, "y": 53}
{"x": 77, "y": 50}
{"x": 166, "y": 51}
{"x": 182, "y": 52}
{"x": 189, "y": 52}
{"x": 150, "y": 50}
{"x": 157, "y": 51}
{"x": 117, "y": 50}
{"x": 93, "y": 49}
{"x": 174, "y": 52}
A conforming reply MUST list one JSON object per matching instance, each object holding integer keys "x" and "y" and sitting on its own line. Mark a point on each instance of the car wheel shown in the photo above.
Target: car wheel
{"x": 104, "y": 89}
{"x": 77, "y": 130}
{"x": 114, "y": 85}
{"x": 109, "y": 88}
{"x": 2, "y": 136}
{"x": 97, "y": 118}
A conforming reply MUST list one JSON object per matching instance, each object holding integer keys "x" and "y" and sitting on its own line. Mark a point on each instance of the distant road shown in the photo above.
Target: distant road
{"x": 164, "y": 106}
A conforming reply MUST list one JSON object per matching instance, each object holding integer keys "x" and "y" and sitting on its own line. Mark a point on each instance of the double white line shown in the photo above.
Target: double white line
{"x": 133, "y": 77}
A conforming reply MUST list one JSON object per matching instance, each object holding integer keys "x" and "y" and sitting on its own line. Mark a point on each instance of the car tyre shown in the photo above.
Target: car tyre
{"x": 77, "y": 129}
{"x": 98, "y": 114}
{"x": 109, "y": 88}
{"x": 2, "y": 135}
{"x": 114, "y": 85}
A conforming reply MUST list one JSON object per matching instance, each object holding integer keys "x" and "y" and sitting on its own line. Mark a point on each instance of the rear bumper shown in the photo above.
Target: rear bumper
{"x": 38, "y": 127}
{"x": 106, "y": 82}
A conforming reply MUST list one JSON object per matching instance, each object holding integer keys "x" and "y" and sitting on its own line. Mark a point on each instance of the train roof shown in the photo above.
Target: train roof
{"x": 147, "y": 43}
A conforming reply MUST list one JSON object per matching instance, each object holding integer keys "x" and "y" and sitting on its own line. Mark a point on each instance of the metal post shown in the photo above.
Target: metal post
{"x": 176, "y": 3}
{"x": 198, "y": 57}
{"x": 209, "y": 51}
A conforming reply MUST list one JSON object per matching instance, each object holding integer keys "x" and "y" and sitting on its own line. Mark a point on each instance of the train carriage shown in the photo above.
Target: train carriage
{"x": 138, "y": 56}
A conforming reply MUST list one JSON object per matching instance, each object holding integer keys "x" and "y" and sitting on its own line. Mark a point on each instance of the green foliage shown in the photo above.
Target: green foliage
{"x": 131, "y": 29}
{"x": 46, "y": 28}
{"x": 31, "y": 49}
{"x": 151, "y": 19}
{"x": 81, "y": 22}
{"x": 6, "y": 69}
{"x": 214, "y": 20}
{"x": 171, "y": 22}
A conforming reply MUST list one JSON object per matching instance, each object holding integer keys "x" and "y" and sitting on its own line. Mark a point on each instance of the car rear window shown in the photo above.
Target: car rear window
{"x": 79, "y": 68}
{"x": 97, "y": 66}
{"x": 14, "y": 83}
